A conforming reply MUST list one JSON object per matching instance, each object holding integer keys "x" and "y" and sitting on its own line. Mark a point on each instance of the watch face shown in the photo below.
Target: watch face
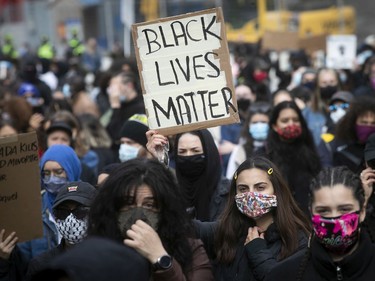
{"x": 165, "y": 261}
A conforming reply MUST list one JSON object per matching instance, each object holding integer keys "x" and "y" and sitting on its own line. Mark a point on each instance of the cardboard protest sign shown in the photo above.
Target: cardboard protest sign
{"x": 341, "y": 51}
{"x": 20, "y": 200}
{"x": 185, "y": 71}
{"x": 313, "y": 43}
{"x": 280, "y": 40}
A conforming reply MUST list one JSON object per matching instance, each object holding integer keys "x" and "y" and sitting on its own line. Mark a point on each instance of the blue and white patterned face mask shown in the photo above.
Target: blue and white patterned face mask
{"x": 53, "y": 184}
{"x": 127, "y": 152}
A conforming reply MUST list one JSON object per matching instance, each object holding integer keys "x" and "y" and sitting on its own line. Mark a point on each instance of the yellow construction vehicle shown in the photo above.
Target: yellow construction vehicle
{"x": 307, "y": 17}
{"x": 325, "y": 17}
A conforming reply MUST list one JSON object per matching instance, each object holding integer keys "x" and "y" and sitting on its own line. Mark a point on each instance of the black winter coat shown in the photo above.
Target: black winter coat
{"x": 360, "y": 265}
{"x": 253, "y": 261}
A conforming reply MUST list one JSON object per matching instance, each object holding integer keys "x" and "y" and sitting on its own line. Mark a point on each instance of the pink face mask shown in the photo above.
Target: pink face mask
{"x": 338, "y": 235}
{"x": 254, "y": 204}
{"x": 290, "y": 132}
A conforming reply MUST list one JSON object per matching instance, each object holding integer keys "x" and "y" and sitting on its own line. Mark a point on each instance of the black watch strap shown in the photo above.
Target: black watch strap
{"x": 163, "y": 263}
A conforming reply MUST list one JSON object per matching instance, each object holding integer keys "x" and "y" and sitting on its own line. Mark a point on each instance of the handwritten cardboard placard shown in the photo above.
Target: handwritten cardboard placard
{"x": 185, "y": 71}
{"x": 20, "y": 200}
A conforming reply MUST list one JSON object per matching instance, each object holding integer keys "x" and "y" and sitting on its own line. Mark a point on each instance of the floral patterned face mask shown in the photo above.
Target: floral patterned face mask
{"x": 338, "y": 235}
{"x": 290, "y": 132}
{"x": 254, "y": 204}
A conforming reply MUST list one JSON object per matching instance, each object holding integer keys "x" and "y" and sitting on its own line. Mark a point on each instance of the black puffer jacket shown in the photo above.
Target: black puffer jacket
{"x": 360, "y": 265}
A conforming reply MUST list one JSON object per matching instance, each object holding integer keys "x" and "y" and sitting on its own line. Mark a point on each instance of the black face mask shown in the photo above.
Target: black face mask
{"x": 127, "y": 218}
{"x": 191, "y": 166}
{"x": 243, "y": 104}
{"x": 327, "y": 92}
{"x": 309, "y": 85}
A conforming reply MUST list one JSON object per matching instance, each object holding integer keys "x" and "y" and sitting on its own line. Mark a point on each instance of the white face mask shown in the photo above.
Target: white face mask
{"x": 337, "y": 114}
{"x": 127, "y": 152}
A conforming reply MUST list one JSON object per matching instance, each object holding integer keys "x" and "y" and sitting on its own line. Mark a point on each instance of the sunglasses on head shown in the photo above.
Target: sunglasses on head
{"x": 79, "y": 212}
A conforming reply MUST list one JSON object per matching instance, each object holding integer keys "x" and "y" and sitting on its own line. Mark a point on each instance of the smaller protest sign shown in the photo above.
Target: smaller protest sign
{"x": 341, "y": 51}
{"x": 20, "y": 200}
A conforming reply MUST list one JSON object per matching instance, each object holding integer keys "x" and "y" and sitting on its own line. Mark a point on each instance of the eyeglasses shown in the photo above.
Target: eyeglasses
{"x": 57, "y": 172}
{"x": 79, "y": 212}
{"x": 334, "y": 107}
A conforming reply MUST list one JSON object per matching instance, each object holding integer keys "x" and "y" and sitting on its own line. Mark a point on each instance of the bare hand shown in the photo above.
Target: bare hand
{"x": 7, "y": 245}
{"x": 145, "y": 240}
{"x": 114, "y": 93}
{"x": 36, "y": 120}
{"x": 368, "y": 179}
{"x": 253, "y": 233}
{"x": 155, "y": 142}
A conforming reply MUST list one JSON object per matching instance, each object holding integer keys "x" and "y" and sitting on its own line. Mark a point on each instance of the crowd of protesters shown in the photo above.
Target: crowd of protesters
{"x": 286, "y": 194}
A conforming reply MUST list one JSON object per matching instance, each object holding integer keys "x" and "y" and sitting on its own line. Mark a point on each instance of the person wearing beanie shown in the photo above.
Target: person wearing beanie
{"x": 70, "y": 211}
{"x": 59, "y": 133}
{"x": 133, "y": 138}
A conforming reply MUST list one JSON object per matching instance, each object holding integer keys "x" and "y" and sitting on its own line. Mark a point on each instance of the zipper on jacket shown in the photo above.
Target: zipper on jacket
{"x": 339, "y": 273}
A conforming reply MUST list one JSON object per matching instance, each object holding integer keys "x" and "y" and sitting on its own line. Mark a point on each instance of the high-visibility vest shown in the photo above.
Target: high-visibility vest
{"x": 9, "y": 51}
{"x": 45, "y": 51}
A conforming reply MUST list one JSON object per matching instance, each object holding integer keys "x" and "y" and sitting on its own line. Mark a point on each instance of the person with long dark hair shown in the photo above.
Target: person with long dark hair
{"x": 139, "y": 204}
{"x": 338, "y": 249}
{"x": 291, "y": 147}
{"x": 261, "y": 224}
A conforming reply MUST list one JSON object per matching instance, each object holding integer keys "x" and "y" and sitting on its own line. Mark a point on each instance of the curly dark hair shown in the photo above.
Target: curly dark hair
{"x": 288, "y": 217}
{"x": 345, "y": 129}
{"x": 174, "y": 227}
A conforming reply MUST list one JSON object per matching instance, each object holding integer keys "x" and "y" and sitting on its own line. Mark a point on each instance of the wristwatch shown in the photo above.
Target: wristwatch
{"x": 163, "y": 263}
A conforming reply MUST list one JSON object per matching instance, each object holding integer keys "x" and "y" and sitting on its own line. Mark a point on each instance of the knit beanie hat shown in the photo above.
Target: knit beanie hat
{"x": 135, "y": 128}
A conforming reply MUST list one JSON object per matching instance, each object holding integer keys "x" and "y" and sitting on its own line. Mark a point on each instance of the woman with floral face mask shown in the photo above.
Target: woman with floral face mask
{"x": 339, "y": 249}
{"x": 291, "y": 147}
{"x": 260, "y": 226}
{"x": 140, "y": 205}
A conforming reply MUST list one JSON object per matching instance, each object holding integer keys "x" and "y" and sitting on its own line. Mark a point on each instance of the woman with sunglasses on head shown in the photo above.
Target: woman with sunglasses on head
{"x": 58, "y": 166}
{"x": 339, "y": 248}
{"x": 261, "y": 224}
{"x": 70, "y": 211}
